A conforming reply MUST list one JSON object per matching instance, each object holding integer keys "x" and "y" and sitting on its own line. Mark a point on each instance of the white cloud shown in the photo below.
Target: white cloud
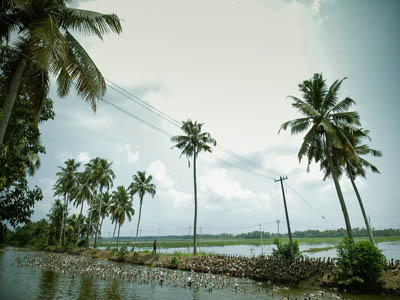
{"x": 83, "y": 157}
{"x": 158, "y": 170}
{"x": 132, "y": 157}
{"x": 217, "y": 181}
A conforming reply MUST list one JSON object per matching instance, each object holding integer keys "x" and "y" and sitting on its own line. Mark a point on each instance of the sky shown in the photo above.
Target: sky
{"x": 230, "y": 64}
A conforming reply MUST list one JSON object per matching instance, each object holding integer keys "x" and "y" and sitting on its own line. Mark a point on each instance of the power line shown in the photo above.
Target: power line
{"x": 301, "y": 198}
{"x": 168, "y": 118}
{"x": 171, "y": 135}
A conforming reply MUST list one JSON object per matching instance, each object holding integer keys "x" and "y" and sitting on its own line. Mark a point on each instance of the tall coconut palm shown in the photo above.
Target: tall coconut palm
{"x": 328, "y": 119}
{"x": 192, "y": 143}
{"x": 101, "y": 176}
{"x": 45, "y": 45}
{"x": 355, "y": 166}
{"x": 81, "y": 194}
{"x": 65, "y": 184}
{"x": 141, "y": 185}
{"x": 121, "y": 207}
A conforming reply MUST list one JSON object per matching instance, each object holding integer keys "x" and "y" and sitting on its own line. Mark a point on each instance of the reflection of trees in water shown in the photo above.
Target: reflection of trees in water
{"x": 113, "y": 290}
{"x": 47, "y": 285}
{"x": 88, "y": 288}
{"x": 196, "y": 295}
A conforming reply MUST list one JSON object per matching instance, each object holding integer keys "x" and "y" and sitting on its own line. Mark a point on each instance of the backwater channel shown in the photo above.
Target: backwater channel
{"x": 19, "y": 281}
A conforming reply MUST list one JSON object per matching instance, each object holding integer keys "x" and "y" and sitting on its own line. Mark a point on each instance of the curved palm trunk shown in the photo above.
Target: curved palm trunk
{"x": 65, "y": 218}
{"x": 62, "y": 223}
{"x": 9, "y": 99}
{"x": 98, "y": 220}
{"x": 195, "y": 206}
{"x": 339, "y": 191}
{"x": 88, "y": 229}
{"x": 115, "y": 227}
{"x": 119, "y": 227}
{"x": 362, "y": 208}
{"x": 79, "y": 226}
{"x": 138, "y": 223}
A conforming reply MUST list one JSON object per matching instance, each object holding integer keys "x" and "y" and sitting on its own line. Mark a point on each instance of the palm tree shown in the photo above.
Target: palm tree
{"x": 65, "y": 184}
{"x": 121, "y": 208}
{"x": 100, "y": 175}
{"x": 45, "y": 45}
{"x": 355, "y": 166}
{"x": 141, "y": 185}
{"x": 192, "y": 143}
{"x": 328, "y": 119}
{"x": 81, "y": 194}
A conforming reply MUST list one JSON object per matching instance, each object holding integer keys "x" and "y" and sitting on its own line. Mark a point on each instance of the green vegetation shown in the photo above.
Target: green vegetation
{"x": 330, "y": 122}
{"x": 45, "y": 46}
{"x": 360, "y": 264}
{"x": 283, "y": 250}
{"x": 141, "y": 185}
{"x": 192, "y": 143}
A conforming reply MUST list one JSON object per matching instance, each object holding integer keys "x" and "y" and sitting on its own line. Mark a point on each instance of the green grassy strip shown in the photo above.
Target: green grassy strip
{"x": 182, "y": 243}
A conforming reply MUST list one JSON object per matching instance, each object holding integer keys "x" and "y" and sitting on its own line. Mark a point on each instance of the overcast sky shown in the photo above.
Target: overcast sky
{"x": 230, "y": 64}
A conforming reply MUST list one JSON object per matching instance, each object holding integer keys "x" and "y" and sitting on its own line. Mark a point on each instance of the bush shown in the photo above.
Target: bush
{"x": 175, "y": 262}
{"x": 122, "y": 251}
{"x": 283, "y": 250}
{"x": 360, "y": 264}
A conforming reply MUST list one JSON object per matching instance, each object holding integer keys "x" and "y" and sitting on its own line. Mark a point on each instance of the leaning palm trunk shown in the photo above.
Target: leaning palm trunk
{"x": 338, "y": 190}
{"x": 362, "y": 208}
{"x": 62, "y": 223}
{"x": 98, "y": 220}
{"x": 88, "y": 230}
{"x": 195, "y": 205}
{"x": 9, "y": 99}
{"x": 115, "y": 227}
{"x": 138, "y": 223}
{"x": 119, "y": 227}
{"x": 79, "y": 227}
{"x": 65, "y": 218}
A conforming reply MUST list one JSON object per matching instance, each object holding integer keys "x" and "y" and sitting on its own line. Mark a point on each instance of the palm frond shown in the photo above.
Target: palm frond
{"x": 89, "y": 22}
{"x": 330, "y": 100}
{"x": 89, "y": 81}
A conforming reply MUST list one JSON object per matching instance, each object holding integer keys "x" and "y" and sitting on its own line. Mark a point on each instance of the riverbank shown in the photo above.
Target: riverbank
{"x": 305, "y": 272}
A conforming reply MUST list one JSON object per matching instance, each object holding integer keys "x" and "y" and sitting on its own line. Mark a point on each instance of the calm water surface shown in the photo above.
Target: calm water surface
{"x": 389, "y": 249}
{"x": 35, "y": 283}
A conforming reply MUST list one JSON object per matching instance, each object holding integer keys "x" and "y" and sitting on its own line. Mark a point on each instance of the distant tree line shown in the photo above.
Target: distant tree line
{"x": 311, "y": 233}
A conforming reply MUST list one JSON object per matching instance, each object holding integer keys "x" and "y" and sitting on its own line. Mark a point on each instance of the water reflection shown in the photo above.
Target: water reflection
{"x": 47, "y": 285}
{"x": 113, "y": 290}
{"x": 88, "y": 288}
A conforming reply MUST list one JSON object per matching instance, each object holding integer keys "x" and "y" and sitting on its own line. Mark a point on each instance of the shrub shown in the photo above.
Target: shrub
{"x": 175, "y": 262}
{"x": 360, "y": 264}
{"x": 122, "y": 251}
{"x": 283, "y": 250}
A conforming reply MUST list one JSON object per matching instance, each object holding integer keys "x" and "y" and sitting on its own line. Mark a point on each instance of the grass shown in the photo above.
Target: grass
{"x": 183, "y": 243}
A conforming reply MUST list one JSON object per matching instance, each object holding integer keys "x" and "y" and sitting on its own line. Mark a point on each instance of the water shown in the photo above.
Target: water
{"x": 389, "y": 249}
{"x": 35, "y": 283}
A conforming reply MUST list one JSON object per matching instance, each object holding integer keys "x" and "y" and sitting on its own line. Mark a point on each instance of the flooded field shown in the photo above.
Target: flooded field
{"x": 35, "y": 275}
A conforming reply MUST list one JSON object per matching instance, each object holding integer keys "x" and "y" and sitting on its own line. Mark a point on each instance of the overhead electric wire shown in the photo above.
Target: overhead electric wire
{"x": 171, "y": 135}
{"x": 178, "y": 124}
{"x": 170, "y": 119}
{"x": 302, "y": 198}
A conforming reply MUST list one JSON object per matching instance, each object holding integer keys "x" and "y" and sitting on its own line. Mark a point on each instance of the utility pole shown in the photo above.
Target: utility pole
{"x": 281, "y": 179}
{"x": 262, "y": 244}
{"x": 190, "y": 230}
{"x": 277, "y": 223}
{"x": 199, "y": 237}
